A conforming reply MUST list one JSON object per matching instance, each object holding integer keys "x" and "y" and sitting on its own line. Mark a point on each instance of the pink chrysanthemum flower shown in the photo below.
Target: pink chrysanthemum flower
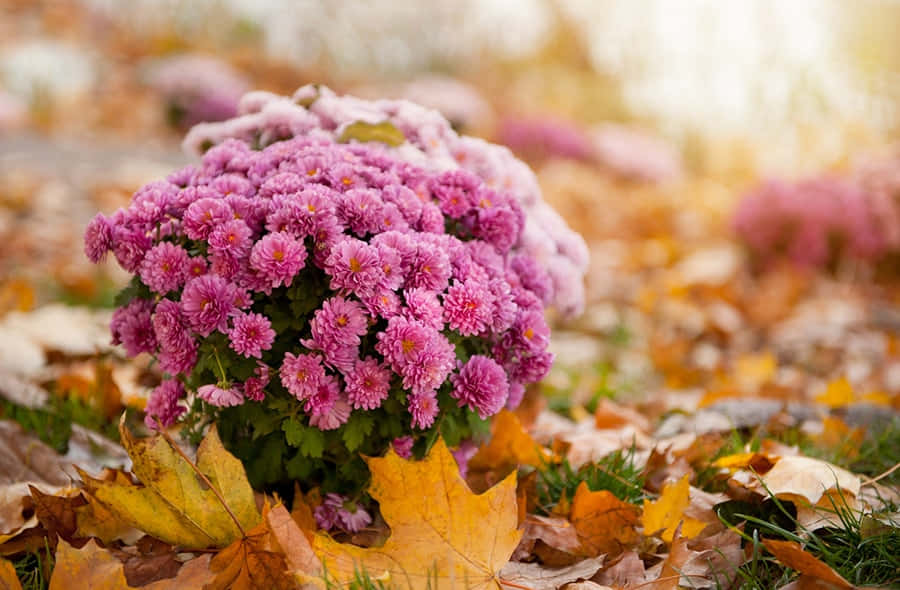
{"x": 301, "y": 374}
{"x": 403, "y": 446}
{"x": 177, "y": 347}
{"x": 129, "y": 247}
{"x": 219, "y": 396}
{"x": 165, "y": 267}
{"x": 255, "y": 387}
{"x": 455, "y": 191}
{"x": 368, "y": 384}
{"x": 430, "y": 269}
{"x": 339, "y": 322}
{"x": 98, "y": 238}
{"x": 277, "y": 258}
{"x": 163, "y": 404}
{"x": 251, "y": 334}
{"x": 332, "y": 418}
{"x": 481, "y": 385}
{"x": 352, "y": 517}
{"x": 132, "y": 328}
{"x": 326, "y": 394}
{"x": 354, "y": 266}
{"x": 204, "y": 215}
{"x": 231, "y": 239}
{"x": 423, "y": 407}
{"x": 423, "y": 306}
{"x": 468, "y": 308}
{"x": 206, "y": 301}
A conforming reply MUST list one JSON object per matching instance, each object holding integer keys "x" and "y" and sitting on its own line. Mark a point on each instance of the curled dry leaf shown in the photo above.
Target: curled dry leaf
{"x": 172, "y": 503}
{"x": 538, "y": 577}
{"x": 808, "y": 478}
{"x": 440, "y": 530}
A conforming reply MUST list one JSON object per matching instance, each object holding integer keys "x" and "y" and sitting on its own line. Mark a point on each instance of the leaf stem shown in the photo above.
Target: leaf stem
{"x": 200, "y": 474}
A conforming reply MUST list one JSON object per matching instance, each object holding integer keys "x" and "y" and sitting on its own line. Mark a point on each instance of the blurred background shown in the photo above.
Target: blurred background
{"x": 730, "y": 164}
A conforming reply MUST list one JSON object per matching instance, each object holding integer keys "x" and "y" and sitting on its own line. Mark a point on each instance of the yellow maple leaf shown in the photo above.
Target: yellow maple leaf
{"x": 173, "y": 503}
{"x": 441, "y": 533}
{"x": 667, "y": 512}
{"x": 510, "y": 445}
{"x": 838, "y": 394}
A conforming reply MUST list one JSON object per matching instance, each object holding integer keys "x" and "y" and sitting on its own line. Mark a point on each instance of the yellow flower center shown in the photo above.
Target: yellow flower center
{"x": 341, "y": 320}
{"x": 408, "y": 346}
{"x": 355, "y": 265}
{"x": 278, "y": 255}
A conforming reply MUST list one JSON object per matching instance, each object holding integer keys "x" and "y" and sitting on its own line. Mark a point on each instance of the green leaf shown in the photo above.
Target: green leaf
{"x": 357, "y": 428}
{"x": 308, "y": 439}
{"x": 384, "y": 132}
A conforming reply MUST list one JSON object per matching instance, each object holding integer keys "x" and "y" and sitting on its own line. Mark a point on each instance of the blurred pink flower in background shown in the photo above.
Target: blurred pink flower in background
{"x": 545, "y": 137}
{"x": 197, "y": 88}
{"x": 635, "y": 155}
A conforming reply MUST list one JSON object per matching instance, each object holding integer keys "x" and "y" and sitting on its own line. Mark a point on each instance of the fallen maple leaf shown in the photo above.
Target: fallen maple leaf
{"x": 791, "y": 554}
{"x": 510, "y": 445}
{"x": 173, "y": 503}
{"x": 8, "y": 578}
{"x": 440, "y": 531}
{"x": 96, "y": 568}
{"x": 605, "y": 524}
{"x": 667, "y": 513}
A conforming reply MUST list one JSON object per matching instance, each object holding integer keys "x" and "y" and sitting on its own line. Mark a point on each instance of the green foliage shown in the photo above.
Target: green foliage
{"x": 863, "y": 554}
{"x": 33, "y": 569}
{"x": 53, "y": 423}
{"x": 616, "y": 472}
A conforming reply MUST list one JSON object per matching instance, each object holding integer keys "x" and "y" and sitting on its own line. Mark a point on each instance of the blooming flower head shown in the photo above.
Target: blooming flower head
{"x": 98, "y": 238}
{"x": 132, "y": 328}
{"x": 468, "y": 307}
{"x": 301, "y": 374}
{"x": 423, "y": 407}
{"x": 277, "y": 258}
{"x": 367, "y": 385}
{"x": 403, "y": 446}
{"x": 482, "y": 385}
{"x": 163, "y": 404}
{"x": 207, "y": 301}
{"x": 165, "y": 267}
{"x": 354, "y": 266}
{"x": 251, "y": 334}
{"x": 220, "y": 395}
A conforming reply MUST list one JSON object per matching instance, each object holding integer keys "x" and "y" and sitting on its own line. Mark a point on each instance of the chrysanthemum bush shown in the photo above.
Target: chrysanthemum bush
{"x": 319, "y": 296}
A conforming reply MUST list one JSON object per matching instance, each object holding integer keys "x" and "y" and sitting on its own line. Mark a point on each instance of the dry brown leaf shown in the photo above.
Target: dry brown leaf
{"x": 249, "y": 563}
{"x": 808, "y": 478}
{"x": 291, "y": 540}
{"x": 605, "y": 524}
{"x": 627, "y": 570}
{"x": 439, "y": 528}
{"x": 675, "y": 572}
{"x": 538, "y": 577}
{"x": 193, "y": 575}
{"x": 557, "y": 533}
{"x": 8, "y": 578}
{"x": 609, "y": 414}
{"x": 791, "y": 554}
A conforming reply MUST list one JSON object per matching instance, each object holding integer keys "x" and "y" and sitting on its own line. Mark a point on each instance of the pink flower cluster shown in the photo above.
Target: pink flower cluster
{"x": 811, "y": 222}
{"x": 198, "y": 88}
{"x": 430, "y": 144}
{"x": 539, "y": 138}
{"x": 425, "y": 286}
